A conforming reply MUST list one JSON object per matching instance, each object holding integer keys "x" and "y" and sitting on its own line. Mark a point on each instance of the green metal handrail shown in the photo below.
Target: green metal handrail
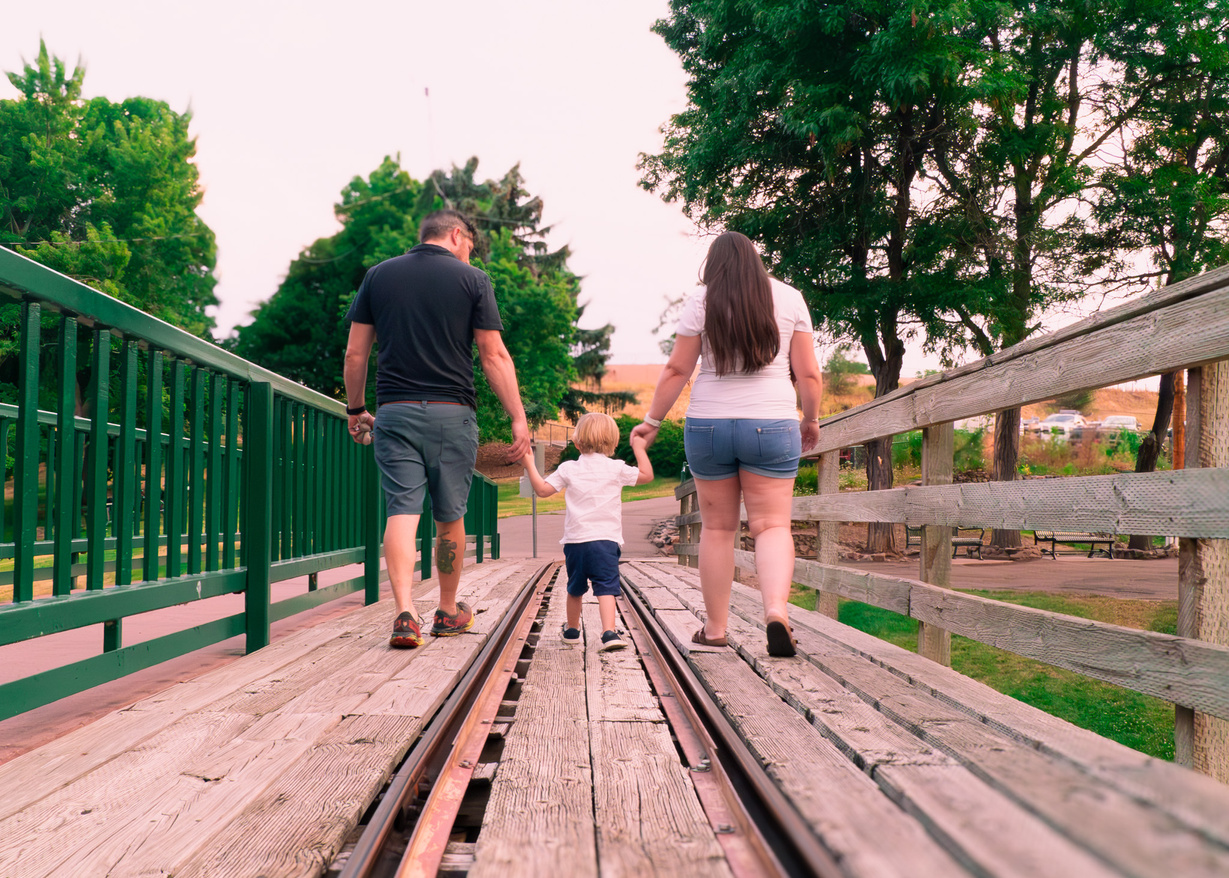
{"x": 253, "y": 480}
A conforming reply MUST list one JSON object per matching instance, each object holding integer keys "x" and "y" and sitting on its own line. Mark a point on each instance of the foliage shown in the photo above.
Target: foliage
{"x": 968, "y": 449}
{"x": 1076, "y": 400}
{"x": 301, "y": 331}
{"x": 106, "y": 193}
{"x": 838, "y": 369}
{"x": 666, "y": 454}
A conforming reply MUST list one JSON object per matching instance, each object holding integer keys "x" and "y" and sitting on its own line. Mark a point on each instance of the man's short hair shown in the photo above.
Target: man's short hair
{"x": 596, "y": 433}
{"x": 439, "y": 223}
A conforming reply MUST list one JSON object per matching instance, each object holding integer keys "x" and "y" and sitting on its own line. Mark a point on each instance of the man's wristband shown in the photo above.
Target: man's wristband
{"x": 355, "y": 411}
{"x": 652, "y": 422}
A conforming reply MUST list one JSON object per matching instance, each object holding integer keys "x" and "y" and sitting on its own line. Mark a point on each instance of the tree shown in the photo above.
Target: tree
{"x": 106, "y": 193}
{"x": 806, "y": 127}
{"x": 1169, "y": 196}
{"x": 380, "y": 217}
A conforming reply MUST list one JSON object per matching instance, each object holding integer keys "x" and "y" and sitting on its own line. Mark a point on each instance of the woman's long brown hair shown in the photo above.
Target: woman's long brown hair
{"x": 739, "y": 320}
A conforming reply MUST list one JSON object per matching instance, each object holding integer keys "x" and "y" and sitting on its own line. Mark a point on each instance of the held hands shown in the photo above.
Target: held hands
{"x": 637, "y": 441}
{"x": 520, "y": 442}
{"x": 644, "y": 433}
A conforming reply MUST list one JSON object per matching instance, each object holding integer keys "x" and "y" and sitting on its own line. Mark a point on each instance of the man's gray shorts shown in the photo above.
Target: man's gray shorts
{"x": 423, "y": 447}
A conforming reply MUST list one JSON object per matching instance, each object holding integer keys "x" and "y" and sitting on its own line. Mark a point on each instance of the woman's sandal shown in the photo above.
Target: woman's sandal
{"x": 780, "y": 641}
{"x": 699, "y": 638}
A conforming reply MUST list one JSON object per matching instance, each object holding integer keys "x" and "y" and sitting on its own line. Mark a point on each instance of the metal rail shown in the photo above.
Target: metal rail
{"x": 441, "y": 751}
{"x": 759, "y": 830}
{"x": 768, "y": 835}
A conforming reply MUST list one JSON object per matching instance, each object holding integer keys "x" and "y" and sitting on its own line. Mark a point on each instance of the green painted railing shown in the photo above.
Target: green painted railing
{"x": 147, "y": 468}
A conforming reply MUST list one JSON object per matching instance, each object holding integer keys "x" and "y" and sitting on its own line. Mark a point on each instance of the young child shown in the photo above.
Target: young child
{"x": 592, "y": 520}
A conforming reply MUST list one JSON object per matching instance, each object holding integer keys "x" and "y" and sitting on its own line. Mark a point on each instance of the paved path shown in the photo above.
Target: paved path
{"x": 516, "y": 532}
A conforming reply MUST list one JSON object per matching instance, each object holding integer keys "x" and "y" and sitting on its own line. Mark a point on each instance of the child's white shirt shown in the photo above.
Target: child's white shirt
{"x": 592, "y": 508}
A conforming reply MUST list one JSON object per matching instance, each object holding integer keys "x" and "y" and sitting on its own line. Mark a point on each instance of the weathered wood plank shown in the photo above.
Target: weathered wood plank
{"x": 1176, "y": 669}
{"x": 615, "y": 684}
{"x": 539, "y": 819}
{"x": 298, "y": 823}
{"x": 1196, "y": 800}
{"x": 1184, "y": 333}
{"x": 865, "y": 830}
{"x": 649, "y": 819}
{"x": 1193, "y": 503}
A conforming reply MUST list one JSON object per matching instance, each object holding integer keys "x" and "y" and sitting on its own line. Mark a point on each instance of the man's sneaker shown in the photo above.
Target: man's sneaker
{"x": 406, "y": 632}
{"x": 446, "y": 625}
{"x": 611, "y": 640}
{"x": 570, "y": 635}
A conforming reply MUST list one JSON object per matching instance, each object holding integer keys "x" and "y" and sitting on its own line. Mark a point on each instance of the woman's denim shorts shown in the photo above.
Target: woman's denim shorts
{"x": 718, "y": 448}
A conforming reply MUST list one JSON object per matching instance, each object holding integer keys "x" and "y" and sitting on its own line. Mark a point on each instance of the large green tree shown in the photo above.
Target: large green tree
{"x": 301, "y": 332}
{"x": 106, "y": 192}
{"x": 806, "y": 129}
{"x": 932, "y": 164}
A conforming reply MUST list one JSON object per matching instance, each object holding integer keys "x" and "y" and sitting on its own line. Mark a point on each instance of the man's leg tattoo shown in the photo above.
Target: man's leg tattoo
{"x": 446, "y": 555}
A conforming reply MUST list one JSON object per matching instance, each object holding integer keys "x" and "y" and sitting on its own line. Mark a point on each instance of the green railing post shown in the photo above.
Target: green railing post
{"x": 96, "y": 469}
{"x": 426, "y": 539}
{"x": 25, "y": 487}
{"x": 371, "y": 497}
{"x": 258, "y": 525}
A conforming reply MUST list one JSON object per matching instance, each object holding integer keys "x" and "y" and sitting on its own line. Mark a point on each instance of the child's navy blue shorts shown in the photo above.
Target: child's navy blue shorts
{"x": 594, "y": 562}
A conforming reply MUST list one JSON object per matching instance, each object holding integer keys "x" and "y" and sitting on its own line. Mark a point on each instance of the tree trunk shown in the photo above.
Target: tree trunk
{"x": 879, "y": 534}
{"x": 1150, "y": 448}
{"x": 1006, "y": 456}
{"x": 885, "y": 365}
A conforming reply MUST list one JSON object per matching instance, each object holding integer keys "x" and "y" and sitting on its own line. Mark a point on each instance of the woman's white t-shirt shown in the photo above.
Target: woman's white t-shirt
{"x": 768, "y": 393}
{"x": 592, "y": 507}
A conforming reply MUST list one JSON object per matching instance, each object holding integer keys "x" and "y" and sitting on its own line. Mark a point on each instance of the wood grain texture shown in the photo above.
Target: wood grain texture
{"x": 1180, "y": 332}
{"x": 539, "y": 819}
{"x": 1192, "y": 503}
{"x": 1181, "y": 670}
{"x": 1198, "y": 802}
{"x": 865, "y": 831}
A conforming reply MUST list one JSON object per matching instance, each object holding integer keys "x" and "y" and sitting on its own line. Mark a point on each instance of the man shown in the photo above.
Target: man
{"x": 427, "y": 308}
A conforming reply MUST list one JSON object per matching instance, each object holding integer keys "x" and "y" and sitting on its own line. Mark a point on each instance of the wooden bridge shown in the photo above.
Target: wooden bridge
{"x": 888, "y": 762}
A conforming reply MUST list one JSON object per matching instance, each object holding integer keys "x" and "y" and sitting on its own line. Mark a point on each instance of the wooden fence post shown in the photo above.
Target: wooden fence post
{"x": 827, "y": 532}
{"x": 938, "y": 444}
{"x": 1203, "y": 588}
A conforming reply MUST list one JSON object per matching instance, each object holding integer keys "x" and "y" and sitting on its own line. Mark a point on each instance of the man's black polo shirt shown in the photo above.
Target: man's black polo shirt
{"x": 425, "y": 306}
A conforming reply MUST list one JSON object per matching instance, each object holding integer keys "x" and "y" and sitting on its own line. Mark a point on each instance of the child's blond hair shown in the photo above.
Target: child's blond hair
{"x": 596, "y": 433}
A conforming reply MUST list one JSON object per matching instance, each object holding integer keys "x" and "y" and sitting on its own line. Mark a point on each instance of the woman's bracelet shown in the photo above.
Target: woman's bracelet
{"x": 652, "y": 422}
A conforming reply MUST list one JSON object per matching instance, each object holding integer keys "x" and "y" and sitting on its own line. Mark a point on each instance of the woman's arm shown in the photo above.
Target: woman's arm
{"x": 810, "y": 385}
{"x": 674, "y": 377}
{"x": 540, "y": 486}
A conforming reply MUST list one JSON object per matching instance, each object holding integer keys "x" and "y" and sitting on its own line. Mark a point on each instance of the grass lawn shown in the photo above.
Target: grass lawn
{"x": 1138, "y": 721}
{"x": 510, "y": 503}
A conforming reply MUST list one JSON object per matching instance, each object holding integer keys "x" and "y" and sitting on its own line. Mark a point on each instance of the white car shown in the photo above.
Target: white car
{"x": 1114, "y": 423}
{"x": 1059, "y": 425}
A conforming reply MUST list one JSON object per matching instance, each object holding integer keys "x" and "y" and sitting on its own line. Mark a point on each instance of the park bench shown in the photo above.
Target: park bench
{"x": 1069, "y": 538}
{"x": 962, "y": 538}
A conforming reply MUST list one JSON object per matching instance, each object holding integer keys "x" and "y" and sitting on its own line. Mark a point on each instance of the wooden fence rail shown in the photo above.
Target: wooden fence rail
{"x": 1181, "y": 327}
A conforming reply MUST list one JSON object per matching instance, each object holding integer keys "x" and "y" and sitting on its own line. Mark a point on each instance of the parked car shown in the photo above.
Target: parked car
{"x": 1059, "y": 425}
{"x": 1106, "y": 430}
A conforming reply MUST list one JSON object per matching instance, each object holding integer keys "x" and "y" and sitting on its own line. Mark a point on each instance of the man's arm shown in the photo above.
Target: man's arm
{"x": 354, "y": 372}
{"x": 501, "y": 375}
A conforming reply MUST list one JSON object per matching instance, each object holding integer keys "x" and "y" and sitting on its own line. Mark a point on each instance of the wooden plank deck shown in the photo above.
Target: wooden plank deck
{"x": 261, "y": 767}
{"x": 264, "y": 766}
{"x": 860, "y": 732}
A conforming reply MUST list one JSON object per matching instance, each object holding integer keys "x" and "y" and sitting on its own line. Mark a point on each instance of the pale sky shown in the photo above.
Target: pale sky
{"x": 291, "y": 100}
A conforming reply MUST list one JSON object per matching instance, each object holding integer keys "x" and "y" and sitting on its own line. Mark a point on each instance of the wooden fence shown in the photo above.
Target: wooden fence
{"x": 1181, "y": 327}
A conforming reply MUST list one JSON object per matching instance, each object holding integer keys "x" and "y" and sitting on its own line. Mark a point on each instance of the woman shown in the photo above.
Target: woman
{"x": 742, "y": 435}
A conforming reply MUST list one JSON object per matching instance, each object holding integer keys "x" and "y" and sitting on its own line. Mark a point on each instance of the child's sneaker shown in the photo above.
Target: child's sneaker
{"x": 447, "y": 625}
{"x": 570, "y": 635}
{"x": 406, "y": 632}
{"x": 611, "y": 640}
